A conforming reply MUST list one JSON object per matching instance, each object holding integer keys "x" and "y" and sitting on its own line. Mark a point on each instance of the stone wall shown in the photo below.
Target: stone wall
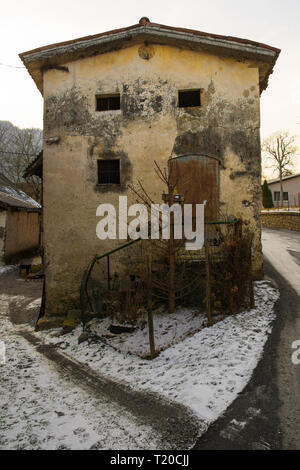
{"x": 287, "y": 220}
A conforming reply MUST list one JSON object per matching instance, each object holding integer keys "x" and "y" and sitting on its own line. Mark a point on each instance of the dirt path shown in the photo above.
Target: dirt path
{"x": 21, "y": 294}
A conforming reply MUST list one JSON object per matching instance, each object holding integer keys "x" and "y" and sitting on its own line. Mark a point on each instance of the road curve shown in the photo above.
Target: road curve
{"x": 266, "y": 415}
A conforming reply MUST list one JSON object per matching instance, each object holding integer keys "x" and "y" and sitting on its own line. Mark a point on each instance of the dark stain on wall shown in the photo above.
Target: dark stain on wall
{"x": 206, "y": 142}
{"x": 213, "y": 142}
{"x": 156, "y": 103}
{"x": 145, "y": 99}
{"x": 246, "y": 144}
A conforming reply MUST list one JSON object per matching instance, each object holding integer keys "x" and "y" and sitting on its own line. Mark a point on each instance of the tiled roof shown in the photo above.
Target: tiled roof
{"x": 151, "y": 25}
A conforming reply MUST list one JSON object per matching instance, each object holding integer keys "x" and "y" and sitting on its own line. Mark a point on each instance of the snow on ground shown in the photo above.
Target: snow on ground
{"x": 42, "y": 409}
{"x": 285, "y": 210}
{"x": 34, "y": 304}
{"x": 204, "y": 372}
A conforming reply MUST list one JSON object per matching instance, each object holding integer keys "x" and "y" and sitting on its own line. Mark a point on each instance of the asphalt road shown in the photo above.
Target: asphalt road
{"x": 282, "y": 250}
{"x": 266, "y": 415}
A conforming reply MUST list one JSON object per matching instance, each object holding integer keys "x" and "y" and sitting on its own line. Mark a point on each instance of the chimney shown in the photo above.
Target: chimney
{"x": 144, "y": 20}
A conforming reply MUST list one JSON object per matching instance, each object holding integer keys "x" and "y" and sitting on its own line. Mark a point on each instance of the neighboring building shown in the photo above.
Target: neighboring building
{"x": 291, "y": 191}
{"x": 117, "y": 101}
{"x": 19, "y": 222}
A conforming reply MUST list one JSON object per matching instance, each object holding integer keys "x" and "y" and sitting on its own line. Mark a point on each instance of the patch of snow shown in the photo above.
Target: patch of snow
{"x": 6, "y": 269}
{"x": 238, "y": 424}
{"x": 204, "y": 372}
{"x": 168, "y": 329}
{"x": 17, "y": 299}
{"x": 41, "y": 409}
{"x": 233, "y": 429}
{"x": 253, "y": 412}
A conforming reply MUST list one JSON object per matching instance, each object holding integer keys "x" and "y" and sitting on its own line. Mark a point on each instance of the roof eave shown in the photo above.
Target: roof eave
{"x": 39, "y": 59}
{"x": 5, "y": 206}
{"x": 277, "y": 180}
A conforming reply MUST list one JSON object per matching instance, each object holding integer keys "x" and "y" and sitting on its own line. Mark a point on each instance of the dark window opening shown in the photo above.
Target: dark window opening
{"x": 189, "y": 98}
{"x": 277, "y": 196}
{"x": 108, "y": 171}
{"x": 108, "y": 102}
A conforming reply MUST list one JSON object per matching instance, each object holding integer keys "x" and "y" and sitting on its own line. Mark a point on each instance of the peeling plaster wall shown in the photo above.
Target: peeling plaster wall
{"x": 149, "y": 127}
{"x": 22, "y": 232}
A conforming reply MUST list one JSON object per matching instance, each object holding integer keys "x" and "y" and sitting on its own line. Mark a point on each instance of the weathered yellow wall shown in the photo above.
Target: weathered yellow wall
{"x": 22, "y": 232}
{"x": 149, "y": 127}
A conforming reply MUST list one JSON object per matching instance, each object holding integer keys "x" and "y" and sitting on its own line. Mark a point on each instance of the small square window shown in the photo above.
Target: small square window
{"x": 108, "y": 171}
{"x": 108, "y": 102}
{"x": 189, "y": 98}
{"x": 276, "y": 195}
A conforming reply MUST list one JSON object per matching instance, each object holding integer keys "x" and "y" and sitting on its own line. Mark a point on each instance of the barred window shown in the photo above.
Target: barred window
{"x": 189, "y": 98}
{"x": 108, "y": 171}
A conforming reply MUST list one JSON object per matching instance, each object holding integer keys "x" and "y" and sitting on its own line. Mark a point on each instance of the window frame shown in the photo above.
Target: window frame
{"x": 107, "y": 96}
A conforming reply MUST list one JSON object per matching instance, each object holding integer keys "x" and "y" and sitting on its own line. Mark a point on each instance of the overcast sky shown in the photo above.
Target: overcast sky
{"x": 25, "y": 25}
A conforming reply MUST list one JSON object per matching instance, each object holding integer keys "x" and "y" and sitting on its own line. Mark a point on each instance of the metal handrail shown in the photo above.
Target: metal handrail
{"x": 87, "y": 273}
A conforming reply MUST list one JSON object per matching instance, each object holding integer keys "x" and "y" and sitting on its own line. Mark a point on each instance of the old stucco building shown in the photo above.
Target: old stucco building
{"x": 121, "y": 96}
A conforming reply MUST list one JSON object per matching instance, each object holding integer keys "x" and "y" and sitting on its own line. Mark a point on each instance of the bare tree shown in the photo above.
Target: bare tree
{"x": 18, "y": 148}
{"x": 175, "y": 278}
{"x": 279, "y": 152}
